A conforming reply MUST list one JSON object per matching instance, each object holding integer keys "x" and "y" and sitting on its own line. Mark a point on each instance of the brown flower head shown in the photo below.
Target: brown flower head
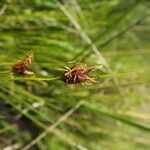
{"x": 22, "y": 66}
{"x": 77, "y": 74}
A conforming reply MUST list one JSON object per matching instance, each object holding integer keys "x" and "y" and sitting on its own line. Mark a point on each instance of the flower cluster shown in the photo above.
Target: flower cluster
{"x": 77, "y": 74}
{"x": 22, "y": 66}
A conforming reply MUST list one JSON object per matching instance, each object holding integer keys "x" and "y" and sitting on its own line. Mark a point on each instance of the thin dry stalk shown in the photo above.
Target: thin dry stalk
{"x": 53, "y": 126}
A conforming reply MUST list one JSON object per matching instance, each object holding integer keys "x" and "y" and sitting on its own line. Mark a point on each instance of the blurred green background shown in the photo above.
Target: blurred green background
{"x": 111, "y": 115}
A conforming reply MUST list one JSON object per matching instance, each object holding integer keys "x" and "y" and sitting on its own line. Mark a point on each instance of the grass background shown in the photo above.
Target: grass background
{"x": 47, "y": 114}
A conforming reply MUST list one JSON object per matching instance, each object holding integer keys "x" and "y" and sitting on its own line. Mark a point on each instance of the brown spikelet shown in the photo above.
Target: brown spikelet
{"x": 77, "y": 74}
{"x": 22, "y": 66}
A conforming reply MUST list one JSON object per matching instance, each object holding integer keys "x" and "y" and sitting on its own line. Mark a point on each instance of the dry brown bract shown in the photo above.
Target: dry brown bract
{"x": 22, "y": 66}
{"x": 77, "y": 74}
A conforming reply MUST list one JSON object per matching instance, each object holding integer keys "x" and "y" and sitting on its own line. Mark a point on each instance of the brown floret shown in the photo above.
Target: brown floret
{"x": 22, "y": 66}
{"x": 77, "y": 74}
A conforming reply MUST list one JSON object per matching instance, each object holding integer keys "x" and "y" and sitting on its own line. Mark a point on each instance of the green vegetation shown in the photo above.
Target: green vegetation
{"x": 45, "y": 113}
